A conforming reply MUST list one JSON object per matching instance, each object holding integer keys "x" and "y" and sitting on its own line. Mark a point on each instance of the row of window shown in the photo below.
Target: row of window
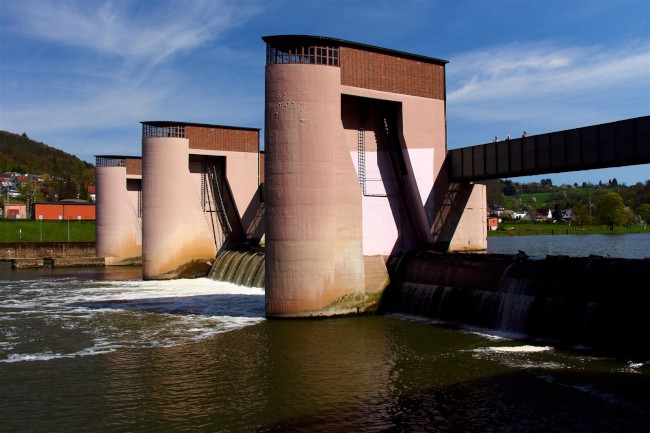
{"x": 177, "y": 131}
{"x": 307, "y": 55}
{"x": 102, "y": 161}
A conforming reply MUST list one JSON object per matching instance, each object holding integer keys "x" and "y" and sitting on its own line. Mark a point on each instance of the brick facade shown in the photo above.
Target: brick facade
{"x": 133, "y": 166}
{"x": 390, "y": 73}
{"x": 215, "y": 138}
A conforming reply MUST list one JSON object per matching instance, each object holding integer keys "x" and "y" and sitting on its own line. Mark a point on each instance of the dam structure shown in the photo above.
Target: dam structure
{"x": 200, "y": 194}
{"x": 355, "y": 173}
{"x": 118, "y": 224}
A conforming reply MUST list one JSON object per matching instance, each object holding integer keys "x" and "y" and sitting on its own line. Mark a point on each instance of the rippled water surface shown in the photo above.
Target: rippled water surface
{"x": 100, "y": 350}
{"x": 629, "y": 246}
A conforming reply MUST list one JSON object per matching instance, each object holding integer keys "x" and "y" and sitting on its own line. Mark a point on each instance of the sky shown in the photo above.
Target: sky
{"x": 80, "y": 75}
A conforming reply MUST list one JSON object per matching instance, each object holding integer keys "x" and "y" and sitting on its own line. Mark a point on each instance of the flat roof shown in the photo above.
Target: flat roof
{"x": 74, "y": 201}
{"x": 322, "y": 40}
{"x": 118, "y": 156}
{"x": 163, "y": 123}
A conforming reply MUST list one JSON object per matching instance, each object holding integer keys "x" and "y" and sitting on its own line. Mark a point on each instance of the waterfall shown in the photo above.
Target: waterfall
{"x": 243, "y": 268}
{"x": 587, "y": 301}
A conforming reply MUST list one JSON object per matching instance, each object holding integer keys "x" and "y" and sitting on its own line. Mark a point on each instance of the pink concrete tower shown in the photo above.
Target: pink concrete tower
{"x": 354, "y": 139}
{"x": 200, "y": 187}
{"x": 118, "y": 226}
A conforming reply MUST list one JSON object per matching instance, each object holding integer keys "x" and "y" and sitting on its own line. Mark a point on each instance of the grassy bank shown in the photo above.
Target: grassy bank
{"x": 46, "y": 231}
{"x": 524, "y": 229}
{"x": 84, "y": 231}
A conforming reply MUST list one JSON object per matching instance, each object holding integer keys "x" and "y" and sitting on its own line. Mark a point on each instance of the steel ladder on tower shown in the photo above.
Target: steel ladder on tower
{"x": 217, "y": 199}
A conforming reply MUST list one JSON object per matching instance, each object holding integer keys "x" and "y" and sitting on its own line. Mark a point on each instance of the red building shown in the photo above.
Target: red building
{"x": 15, "y": 210}
{"x": 65, "y": 210}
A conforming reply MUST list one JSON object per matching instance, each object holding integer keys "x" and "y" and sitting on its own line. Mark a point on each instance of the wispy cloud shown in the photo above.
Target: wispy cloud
{"x": 520, "y": 81}
{"x": 107, "y": 65}
{"x": 143, "y": 31}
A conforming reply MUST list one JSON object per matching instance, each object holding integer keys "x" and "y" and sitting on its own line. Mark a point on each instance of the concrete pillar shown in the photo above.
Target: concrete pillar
{"x": 118, "y": 232}
{"x": 177, "y": 238}
{"x": 313, "y": 260}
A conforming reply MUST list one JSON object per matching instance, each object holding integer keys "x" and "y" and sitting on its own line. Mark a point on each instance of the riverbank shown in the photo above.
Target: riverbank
{"x": 524, "y": 229}
{"x": 23, "y": 255}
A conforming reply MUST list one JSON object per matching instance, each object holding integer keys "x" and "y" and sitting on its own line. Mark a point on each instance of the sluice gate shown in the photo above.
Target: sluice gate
{"x": 593, "y": 302}
{"x": 243, "y": 268}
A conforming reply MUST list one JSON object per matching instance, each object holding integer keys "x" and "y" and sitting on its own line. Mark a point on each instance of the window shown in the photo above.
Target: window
{"x": 163, "y": 131}
{"x": 107, "y": 161}
{"x": 301, "y": 54}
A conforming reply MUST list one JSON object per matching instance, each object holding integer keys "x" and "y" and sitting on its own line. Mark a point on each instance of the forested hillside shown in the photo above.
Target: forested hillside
{"x": 18, "y": 153}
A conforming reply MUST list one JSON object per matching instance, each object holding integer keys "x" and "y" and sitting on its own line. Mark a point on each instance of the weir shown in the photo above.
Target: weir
{"x": 243, "y": 268}
{"x": 593, "y": 302}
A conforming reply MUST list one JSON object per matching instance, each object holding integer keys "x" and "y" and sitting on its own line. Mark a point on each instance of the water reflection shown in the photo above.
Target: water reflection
{"x": 185, "y": 356}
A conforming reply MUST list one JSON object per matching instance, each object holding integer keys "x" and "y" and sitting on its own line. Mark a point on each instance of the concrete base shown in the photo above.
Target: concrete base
{"x": 26, "y": 263}
{"x": 117, "y": 261}
{"x": 57, "y": 262}
{"x": 61, "y": 262}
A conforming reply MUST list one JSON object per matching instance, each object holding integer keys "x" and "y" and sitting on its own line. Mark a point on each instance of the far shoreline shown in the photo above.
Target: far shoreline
{"x": 524, "y": 229}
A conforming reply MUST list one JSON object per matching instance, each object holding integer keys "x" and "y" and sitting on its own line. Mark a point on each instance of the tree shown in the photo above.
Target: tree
{"x": 580, "y": 213}
{"x": 611, "y": 210}
{"x": 630, "y": 216}
{"x": 644, "y": 212}
{"x": 557, "y": 212}
{"x": 68, "y": 189}
{"x": 509, "y": 190}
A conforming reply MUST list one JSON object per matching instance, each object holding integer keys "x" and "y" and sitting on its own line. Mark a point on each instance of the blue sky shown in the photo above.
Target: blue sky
{"x": 80, "y": 75}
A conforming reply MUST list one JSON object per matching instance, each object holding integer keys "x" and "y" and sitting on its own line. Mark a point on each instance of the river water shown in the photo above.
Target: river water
{"x": 629, "y": 246}
{"x": 99, "y": 350}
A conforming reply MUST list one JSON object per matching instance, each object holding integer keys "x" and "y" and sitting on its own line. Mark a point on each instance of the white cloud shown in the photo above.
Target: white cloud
{"x": 142, "y": 31}
{"x": 527, "y": 80}
{"x": 107, "y": 65}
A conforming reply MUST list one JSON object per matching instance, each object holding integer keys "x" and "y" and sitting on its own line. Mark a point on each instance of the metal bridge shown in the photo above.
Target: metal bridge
{"x": 615, "y": 144}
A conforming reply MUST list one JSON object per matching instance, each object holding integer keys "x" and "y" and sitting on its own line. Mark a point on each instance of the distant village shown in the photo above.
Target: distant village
{"x": 497, "y": 213}
{"x": 20, "y": 191}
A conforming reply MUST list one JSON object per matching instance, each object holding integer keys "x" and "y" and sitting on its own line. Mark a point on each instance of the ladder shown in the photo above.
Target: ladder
{"x": 361, "y": 150}
{"x": 217, "y": 198}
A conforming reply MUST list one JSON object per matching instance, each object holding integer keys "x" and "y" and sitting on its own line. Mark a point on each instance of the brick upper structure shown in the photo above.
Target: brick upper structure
{"x": 221, "y": 138}
{"x": 133, "y": 166}
{"x": 385, "y": 72}
{"x": 364, "y": 66}
{"x": 205, "y": 136}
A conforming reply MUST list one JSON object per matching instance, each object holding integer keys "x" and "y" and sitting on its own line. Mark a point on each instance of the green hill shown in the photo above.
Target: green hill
{"x": 20, "y": 154}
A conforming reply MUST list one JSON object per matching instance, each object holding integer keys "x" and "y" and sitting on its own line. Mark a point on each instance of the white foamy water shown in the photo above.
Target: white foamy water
{"x": 517, "y": 349}
{"x": 68, "y": 317}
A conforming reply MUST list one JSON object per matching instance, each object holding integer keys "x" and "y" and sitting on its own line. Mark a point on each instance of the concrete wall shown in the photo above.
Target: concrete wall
{"x": 19, "y": 250}
{"x": 471, "y": 232}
